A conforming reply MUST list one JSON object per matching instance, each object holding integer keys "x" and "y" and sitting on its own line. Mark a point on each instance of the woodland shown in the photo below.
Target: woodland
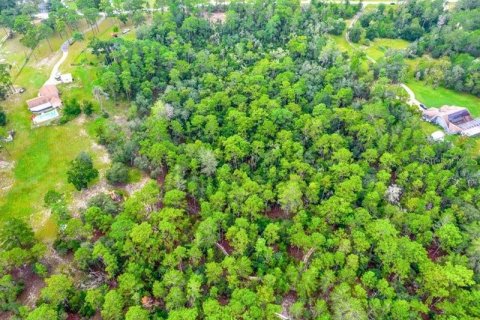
{"x": 289, "y": 179}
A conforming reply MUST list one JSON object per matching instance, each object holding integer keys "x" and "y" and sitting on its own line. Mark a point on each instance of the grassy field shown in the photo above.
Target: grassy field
{"x": 42, "y": 155}
{"x": 436, "y": 97}
{"x": 341, "y": 43}
{"x": 430, "y": 96}
{"x": 379, "y": 47}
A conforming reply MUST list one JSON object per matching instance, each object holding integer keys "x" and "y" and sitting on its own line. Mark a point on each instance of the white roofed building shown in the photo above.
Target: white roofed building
{"x": 453, "y": 120}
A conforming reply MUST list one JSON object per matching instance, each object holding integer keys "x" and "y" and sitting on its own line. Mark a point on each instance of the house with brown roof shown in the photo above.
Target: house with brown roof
{"x": 453, "y": 120}
{"x": 48, "y": 98}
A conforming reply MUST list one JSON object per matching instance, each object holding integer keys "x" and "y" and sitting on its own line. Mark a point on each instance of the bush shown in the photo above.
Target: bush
{"x": 78, "y": 36}
{"x": 3, "y": 118}
{"x": 355, "y": 34}
{"x": 52, "y": 197}
{"x": 87, "y": 108}
{"x": 40, "y": 269}
{"x": 105, "y": 203}
{"x": 117, "y": 174}
{"x": 70, "y": 111}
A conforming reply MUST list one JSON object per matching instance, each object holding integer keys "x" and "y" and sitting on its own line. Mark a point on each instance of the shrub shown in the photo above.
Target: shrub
{"x": 117, "y": 174}
{"x": 70, "y": 111}
{"x": 87, "y": 108}
{"x": 3, "y": 118}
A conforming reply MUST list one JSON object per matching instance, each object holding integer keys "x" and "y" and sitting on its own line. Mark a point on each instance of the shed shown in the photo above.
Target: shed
{"x": 66, "y": 78}
{"x": 437, "y": 136}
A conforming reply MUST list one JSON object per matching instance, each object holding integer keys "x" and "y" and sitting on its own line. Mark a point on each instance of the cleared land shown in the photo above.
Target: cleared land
{"x": 436, "y": 97}
{"x": 379, "y": 47}
{"x": 42, "y": 155}
{"x": 427, "y": 94}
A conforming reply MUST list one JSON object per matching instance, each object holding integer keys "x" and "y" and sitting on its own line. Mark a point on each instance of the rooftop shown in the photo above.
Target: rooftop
{"x": 47, "y": 94}
{"x": 48, "y": 90}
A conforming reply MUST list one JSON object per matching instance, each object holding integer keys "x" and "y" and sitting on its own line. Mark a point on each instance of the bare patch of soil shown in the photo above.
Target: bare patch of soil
{"x": 133, "y": 187}
{"x": 434, "y": 251}
{"x": 287, "y": 302}
{"x": 276, "y": 212}
{"x": 6, "y": 183}
{"x": 120, "y": 120}
{"x": 223, "y": 300}
{"x": 161, "y": 177}
{"x": 6, "y": 175}
{"x": 48, "y": 61}
{"x": 97, "y": 234}
{"x": 225, "y": 245}
{"x": 193, "y": 207}
{"x": 73, "y": 316}
{"x": 80, "y": 200}
{"x": 6, "y": 165}
{"x": 295, "y": 252}
{"x": 215, "y": 17}
{"x": 104, "y": 156}
{"x": 150, "y": 303}
{"x": 6, "y": 315}
{"x": 33, "y": 284}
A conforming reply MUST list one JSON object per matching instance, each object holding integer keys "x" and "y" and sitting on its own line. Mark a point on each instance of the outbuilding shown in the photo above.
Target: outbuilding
{"x": 437, "y": 136}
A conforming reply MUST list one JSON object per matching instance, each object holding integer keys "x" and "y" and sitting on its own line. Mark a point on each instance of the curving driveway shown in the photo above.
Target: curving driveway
{"x": 412, "y": 100}
{"x": 64, "y": 50}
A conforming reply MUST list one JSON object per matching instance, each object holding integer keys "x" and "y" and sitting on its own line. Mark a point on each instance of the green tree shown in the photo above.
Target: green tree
{"x": 81, "y": 171}
{"x": 16, "y": 233}
{"x": 355, "y": 34}
{"x": 57, "y": 290}
{"x": 8, "y": 293}
{"x": 42, "y": 312}
{"x": 44, "y": 33}
{"x": 3, "y": 118}
{"x": 5, "y": 81}
{"x": 117, "y": 174}
{"x": 136, "y": 313}
{"x": 113, "y": 306}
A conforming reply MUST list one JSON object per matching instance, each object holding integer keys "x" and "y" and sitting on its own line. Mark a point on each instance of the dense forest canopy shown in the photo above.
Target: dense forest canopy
{"x": 289, "y": 180}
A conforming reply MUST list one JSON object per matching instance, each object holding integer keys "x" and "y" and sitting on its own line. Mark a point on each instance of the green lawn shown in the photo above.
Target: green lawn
{"x": 436, "y": 97}
{"x": 431, "y": 97}
{"x": 42, "y": 155}
{"x": 42, "y": 158}
{"x": 379, "y": 47}
{"x": 341, "y": 43}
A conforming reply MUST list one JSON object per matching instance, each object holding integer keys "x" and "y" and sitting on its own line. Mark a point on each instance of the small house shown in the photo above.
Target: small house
{"x": 454, "y": 120}
{"x": 48, "y": 98}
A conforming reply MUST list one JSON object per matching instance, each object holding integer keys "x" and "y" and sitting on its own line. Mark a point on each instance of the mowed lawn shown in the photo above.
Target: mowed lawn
{"x": 437, "y": 97}
{"x": 379, "y": 47}
{"x": 427, "y": 94}
{"x": 42, "y": 155}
